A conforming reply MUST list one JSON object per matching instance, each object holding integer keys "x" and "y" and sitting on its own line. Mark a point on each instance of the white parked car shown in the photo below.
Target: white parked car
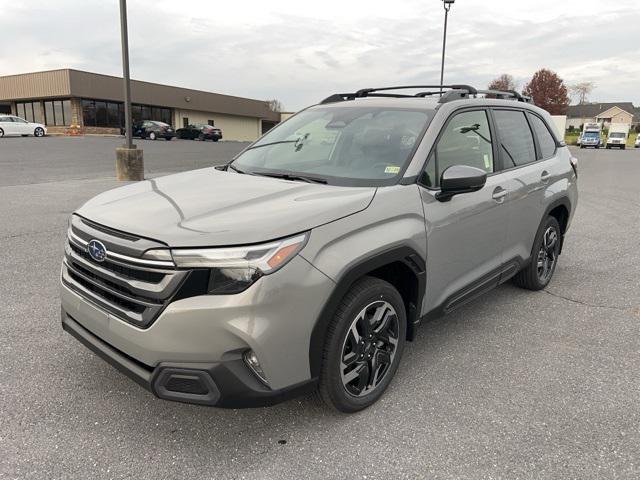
{"x": 12, "y": 125}
{"x": 637, "y": 144}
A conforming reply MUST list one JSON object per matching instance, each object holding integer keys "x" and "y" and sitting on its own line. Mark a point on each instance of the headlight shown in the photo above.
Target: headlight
{"x": 234, "y": 269}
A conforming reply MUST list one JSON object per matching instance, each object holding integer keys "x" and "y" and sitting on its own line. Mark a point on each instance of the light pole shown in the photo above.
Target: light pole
{"x": 447, "y": 6}
{"x": 129, "y": 160}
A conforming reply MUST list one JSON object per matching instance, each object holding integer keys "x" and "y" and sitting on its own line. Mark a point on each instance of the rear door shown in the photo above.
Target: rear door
{"x": 465, "y": 235}
{"x": 527, "y": 161}
{"x": 7, "y": 125}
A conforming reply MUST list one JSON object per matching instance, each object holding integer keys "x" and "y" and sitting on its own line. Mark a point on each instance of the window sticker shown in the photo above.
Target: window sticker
{"x": 392, "y": 169}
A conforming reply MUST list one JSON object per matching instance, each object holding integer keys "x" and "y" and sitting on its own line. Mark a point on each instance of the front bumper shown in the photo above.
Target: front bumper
{"x": 205, "y": 336}
{"x": 225, "y": 384}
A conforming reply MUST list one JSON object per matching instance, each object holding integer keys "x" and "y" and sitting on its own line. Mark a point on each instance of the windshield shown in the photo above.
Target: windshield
{"x": 160, "y": 124}
{"x": 591, "y": 135}
{"x": 617, "y": 135}
{"x": 345, "y": 145}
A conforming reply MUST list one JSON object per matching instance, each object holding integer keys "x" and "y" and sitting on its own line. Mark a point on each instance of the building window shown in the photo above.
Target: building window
{"x": 98, "y": 113}
{"x": 211, "y": 122}
{"x": 66, "y": 112}
{"x": 89, "y": 113}
{"x": 30, "y": 111}
{"x": 57, "y": 112}
{"x": 185, "y": 122}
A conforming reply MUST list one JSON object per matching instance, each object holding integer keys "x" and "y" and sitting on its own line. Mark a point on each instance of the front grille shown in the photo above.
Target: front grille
{"x": 124, "y": 284}
{"x": 124, "y": 303}
{"x": 132, "y": 273}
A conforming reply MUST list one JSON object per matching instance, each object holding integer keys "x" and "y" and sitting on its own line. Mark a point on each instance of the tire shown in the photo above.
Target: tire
{"x": 168, "y": 139}
{"x": 1, "y": 133}
{"x": 201, "y": 138}
{"x": 581, "y": 146}
{"x": 608, "y": 147}
{"x": 531, "y": 277}
{"x": 152, "y": 136}
{"x": 347, "y": 338}
{"x": 215, "y": 139}
{"x": 38, "y": 132}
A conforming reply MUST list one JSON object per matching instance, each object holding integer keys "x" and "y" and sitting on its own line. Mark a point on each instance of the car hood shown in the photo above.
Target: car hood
{"x": 208, "y": 207}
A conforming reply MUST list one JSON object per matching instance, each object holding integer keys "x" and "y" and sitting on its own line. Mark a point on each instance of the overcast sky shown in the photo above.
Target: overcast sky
{"x": 299, "y": 52}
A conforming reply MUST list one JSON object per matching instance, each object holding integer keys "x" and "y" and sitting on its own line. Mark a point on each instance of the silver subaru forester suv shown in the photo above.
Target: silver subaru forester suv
{"x": 307, "y": 262}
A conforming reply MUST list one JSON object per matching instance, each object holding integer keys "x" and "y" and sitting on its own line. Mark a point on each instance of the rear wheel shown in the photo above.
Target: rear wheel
{"x": 1, "y": 132}
{"x": 364, "y": 345}
{"x": 544, "y": 257}
{"x": 152, "y": 135}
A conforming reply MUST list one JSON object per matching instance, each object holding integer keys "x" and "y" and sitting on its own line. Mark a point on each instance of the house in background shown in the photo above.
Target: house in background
{"x": 602, "y": 113}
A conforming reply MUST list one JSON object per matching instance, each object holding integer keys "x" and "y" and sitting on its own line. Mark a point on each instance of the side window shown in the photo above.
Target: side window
{"x": 466, "y": 140}
{"x": 6, "y": 119}
{"x": 545, "y": 139}
{"x": 516, "y": 139}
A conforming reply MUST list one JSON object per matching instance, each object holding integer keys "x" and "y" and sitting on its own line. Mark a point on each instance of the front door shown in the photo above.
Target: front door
{"x": 21, "y": 126}
{"x": 466, "y": 234}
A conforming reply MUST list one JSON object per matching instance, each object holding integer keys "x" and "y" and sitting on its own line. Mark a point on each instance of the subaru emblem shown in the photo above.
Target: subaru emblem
{"x": 97, "y": 250}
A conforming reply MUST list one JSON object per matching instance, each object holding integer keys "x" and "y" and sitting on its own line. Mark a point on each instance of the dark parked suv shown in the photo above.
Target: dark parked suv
{"x": 309, "y": 261}
{"x": 152, "y": 129}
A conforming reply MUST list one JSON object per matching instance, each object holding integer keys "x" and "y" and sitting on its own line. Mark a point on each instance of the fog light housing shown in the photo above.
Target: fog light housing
{"x": 251, "y": 359}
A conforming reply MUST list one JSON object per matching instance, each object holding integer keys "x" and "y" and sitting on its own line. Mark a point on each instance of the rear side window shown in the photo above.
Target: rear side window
{"x": 6, "y": 119}
{"x": 545, "y": 139}
{"x": 466, "y": 140}
{"x": 516, "y": 139}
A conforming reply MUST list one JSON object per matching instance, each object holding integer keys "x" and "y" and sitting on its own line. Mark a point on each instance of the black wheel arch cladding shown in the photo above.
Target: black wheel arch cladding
{"x": 402, "y": 258}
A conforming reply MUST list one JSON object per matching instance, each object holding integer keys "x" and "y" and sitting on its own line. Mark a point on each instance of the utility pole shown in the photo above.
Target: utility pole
{"x": 447, "y": 6}
{"x": 129, "y": 159}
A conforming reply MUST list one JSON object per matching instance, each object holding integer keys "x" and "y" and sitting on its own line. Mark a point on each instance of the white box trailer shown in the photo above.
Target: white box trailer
{"x": 618, "y": 134}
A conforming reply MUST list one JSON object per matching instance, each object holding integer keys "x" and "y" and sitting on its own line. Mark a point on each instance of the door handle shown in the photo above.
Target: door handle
{"x": 498, "y": 194}
{"x": 544, "y": 178}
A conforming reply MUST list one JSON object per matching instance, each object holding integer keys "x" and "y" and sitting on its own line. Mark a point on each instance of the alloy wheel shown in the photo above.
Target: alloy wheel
{"x": 547, "y": 255}
{"x": 369, "y": 348}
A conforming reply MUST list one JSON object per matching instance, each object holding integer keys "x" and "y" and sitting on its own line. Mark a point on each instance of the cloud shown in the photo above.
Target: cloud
{"x": 301, "y": 52}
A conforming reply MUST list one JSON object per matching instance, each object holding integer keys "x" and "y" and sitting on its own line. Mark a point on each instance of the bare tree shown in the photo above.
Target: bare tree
{"x": 582, "y": 91}
{"x": 275, "y": 105}
{"x": 503, "y": 82}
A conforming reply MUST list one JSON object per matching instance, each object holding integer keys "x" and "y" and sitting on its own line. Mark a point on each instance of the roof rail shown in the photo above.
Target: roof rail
{"x": 447, "y": 93}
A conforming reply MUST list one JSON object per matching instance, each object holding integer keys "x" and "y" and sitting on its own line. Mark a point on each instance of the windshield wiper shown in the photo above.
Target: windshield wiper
{"x": 235, "y": 169}
{"x": 272, "y": 143}
{"x": 293, "y": 177}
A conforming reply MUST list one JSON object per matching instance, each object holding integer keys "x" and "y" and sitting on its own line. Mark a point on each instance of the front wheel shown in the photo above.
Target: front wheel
{"x": 363, "y": 347}
{"x": 544, "y": 257}
{"x": 38, "y": 132}
{"x": 152, "y": 136}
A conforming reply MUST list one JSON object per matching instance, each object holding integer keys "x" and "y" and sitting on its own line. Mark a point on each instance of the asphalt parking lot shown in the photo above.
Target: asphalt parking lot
{"x": 514, "y": 385}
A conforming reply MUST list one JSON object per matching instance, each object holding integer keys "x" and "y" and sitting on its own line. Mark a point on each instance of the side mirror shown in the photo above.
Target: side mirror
{"x": 458, "y": 179}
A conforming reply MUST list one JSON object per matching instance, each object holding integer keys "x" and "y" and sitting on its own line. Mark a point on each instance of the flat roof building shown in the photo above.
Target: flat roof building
{"x": 60, "y": 98}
